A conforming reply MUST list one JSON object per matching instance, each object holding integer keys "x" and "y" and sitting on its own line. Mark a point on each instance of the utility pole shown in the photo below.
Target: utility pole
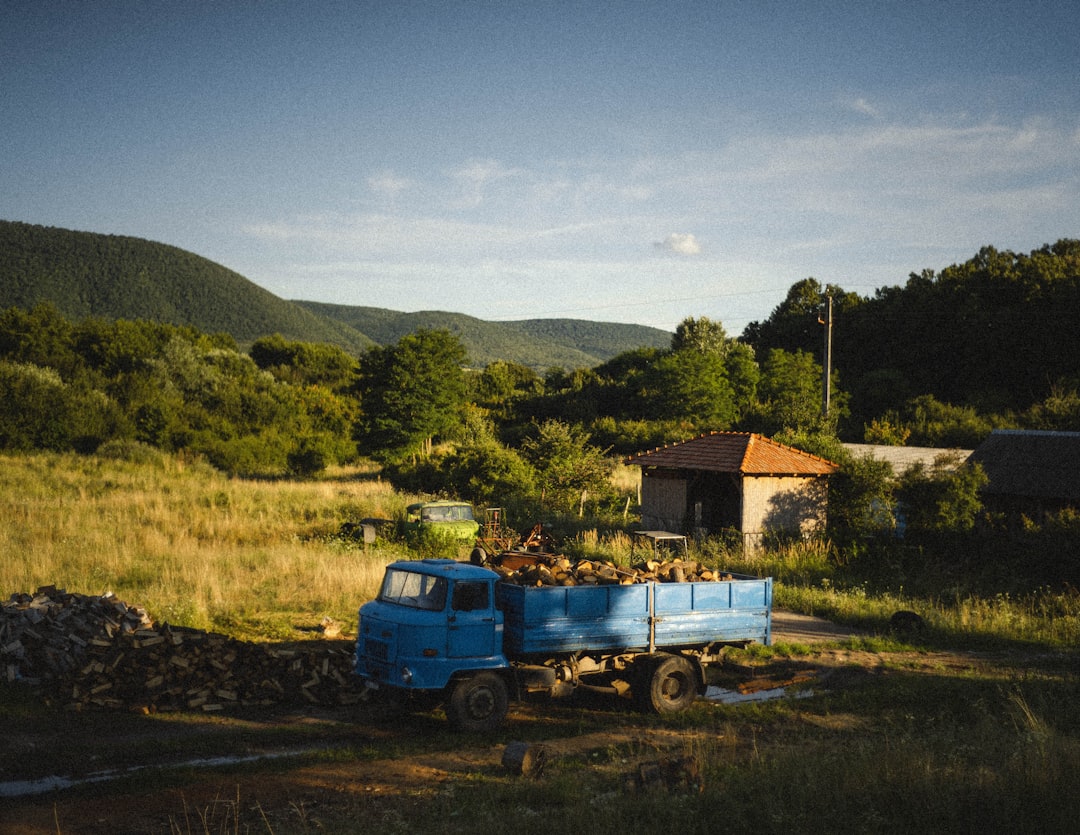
{"x": 826, "y": 382}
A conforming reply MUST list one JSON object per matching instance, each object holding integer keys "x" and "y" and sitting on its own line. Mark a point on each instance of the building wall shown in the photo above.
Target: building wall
{"x": 663, "y": 502}
{"x": 769, "y": 505}
{"x": 793, "y": 505}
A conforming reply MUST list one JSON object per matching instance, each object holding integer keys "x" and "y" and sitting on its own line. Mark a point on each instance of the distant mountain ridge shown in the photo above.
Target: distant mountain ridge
{"x": 570, "y": 343}
{"x": 117, "y": 277}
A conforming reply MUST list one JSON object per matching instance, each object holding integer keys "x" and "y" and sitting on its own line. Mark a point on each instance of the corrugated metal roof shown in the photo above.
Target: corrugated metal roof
{"x": 1031, "y": 463}
{"x": 900, "y": 458}
{"x": 746, "y": 453}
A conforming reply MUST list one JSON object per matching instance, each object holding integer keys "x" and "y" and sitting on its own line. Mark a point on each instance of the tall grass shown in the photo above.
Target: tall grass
{"x": 811, "y": 578}
{"x": 261, "y": 558}
{"x": 192, "y": 546}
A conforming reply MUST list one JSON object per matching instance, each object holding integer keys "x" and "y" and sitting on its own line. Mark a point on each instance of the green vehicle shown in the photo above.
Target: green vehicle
{"x": 448, "y": 521}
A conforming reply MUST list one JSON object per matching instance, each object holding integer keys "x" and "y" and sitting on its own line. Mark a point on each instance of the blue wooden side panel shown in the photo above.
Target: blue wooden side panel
{"x": 614, "y": 617}
{"x": 701, "y": 613}
{"x": 572, "y": 618}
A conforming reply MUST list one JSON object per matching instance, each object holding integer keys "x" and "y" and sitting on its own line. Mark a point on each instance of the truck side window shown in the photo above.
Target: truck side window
{"x": 469, "y": 597}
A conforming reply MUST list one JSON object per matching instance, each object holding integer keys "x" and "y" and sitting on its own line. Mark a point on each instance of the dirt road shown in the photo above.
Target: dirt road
{"x": 276, "y": 771}
{"x": 793, "y": 628}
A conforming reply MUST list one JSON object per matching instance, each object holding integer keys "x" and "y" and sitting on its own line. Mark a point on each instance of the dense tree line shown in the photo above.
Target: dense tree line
{"x": 78, "y": 385}
{"x": 948, "y": 356}
{"x": 288, "y": 406}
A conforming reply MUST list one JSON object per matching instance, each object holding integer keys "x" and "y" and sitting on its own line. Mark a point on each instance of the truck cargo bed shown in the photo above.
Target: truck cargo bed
{"x": 613, "y": 618}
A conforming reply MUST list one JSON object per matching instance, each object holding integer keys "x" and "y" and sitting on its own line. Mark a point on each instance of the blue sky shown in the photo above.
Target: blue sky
{"x": 616, "y": 161}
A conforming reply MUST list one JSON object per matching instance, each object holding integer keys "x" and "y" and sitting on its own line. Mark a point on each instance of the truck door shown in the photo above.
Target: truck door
{"x": 471, "y": 622}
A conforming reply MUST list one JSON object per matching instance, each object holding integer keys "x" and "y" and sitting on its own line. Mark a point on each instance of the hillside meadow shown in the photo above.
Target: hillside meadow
{"x": 969, "y": 725}
{"x": 265, "y": 559}
{"x": 250, "y": 558}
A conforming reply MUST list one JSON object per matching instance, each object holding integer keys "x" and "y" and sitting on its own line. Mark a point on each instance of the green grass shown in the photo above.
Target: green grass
{"x": 993, "y": 746}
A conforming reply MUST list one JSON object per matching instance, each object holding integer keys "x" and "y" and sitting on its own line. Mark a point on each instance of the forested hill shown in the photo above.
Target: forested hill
{"x": 996, "y": 333}
{"x": 538, "y": 343}
{"x": 115, "y": 277}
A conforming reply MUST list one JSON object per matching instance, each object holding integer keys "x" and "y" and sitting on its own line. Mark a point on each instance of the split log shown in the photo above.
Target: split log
{"x": 99, "y": 652}
{"x": 524, "y": 759}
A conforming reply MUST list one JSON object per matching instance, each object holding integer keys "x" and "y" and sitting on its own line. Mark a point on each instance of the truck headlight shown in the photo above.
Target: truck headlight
{"x": 406, "y": 675}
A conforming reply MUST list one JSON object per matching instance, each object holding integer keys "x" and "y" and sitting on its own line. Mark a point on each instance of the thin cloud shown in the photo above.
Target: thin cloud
{"x": 861, "y": 105}
{"x": 476, "y": 176}
{"x": 388, "y": 184}
{"x": 680, "y": 243}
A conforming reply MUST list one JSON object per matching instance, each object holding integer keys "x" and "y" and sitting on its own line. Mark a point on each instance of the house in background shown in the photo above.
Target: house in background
{"x": 1031, "y": 473}
{"x": 903, "y": 458}
{"x": 733, "y": 481}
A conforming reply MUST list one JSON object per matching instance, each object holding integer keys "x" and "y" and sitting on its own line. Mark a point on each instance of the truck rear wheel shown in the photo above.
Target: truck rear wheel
{"x": 478, "y": 703}
{"x": 669, "y": 685}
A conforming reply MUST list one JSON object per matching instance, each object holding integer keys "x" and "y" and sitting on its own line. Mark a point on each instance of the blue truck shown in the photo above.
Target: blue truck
{"x": 457, "y": 631}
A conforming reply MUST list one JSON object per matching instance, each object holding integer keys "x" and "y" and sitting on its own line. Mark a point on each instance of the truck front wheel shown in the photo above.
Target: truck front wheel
{"x": 478, "y": 703}
{"x": 670, "y": 685}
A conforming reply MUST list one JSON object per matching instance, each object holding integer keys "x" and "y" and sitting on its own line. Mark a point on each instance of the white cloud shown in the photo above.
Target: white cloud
{"x": 680, "y": 243}
{"x": 475, "y": 177}
{"x": 388, "y": 184}
{"x": 861, "y": 105}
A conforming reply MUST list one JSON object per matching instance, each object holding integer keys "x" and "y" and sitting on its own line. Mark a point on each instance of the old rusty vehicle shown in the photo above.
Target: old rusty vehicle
{"x": 446, "y": 520}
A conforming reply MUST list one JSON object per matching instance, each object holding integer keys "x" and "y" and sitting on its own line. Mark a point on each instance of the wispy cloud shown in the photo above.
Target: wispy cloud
{"x": 680, "y": 243}
{"x": 389, "y": 184}
{"x": 474, "y": 178}
{"x": 861, "y": 105}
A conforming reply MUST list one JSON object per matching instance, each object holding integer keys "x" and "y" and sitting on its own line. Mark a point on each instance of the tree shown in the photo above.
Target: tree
{"x": 794, "y": 324}
{"x": 567, "y": 465}
{"x": 861, "y": 500}
{"x": 743, "y": 374}
{"x": 691, "y": 385}
{"x": 411, "y": 393}
{"x": 38, "y": 410}
{"x": 933, "y": 423}
{"x": 501, "y": 386}
{"x": 304, "y": 362}
{"x": 790, "y": 392}
{"x": 486, "y": 473}
{"x": 941, "y": 500}
{"x": 702, "y": 335}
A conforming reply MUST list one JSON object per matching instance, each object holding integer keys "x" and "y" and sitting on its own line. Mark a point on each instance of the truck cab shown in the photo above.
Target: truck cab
{"x": 435, "y": 627}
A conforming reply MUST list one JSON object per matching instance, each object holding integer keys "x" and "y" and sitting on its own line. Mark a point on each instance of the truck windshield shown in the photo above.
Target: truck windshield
{"x": 417, "y": 591}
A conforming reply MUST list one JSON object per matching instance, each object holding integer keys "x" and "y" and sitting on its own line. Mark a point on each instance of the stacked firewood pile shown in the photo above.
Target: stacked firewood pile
{"x": 554, "y": 570}
{"x": 100, "y": 652}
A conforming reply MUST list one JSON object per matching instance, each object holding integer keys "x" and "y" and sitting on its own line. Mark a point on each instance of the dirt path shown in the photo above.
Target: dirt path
{"x": 412, "y": 760}
{"x": 791, "y": 627}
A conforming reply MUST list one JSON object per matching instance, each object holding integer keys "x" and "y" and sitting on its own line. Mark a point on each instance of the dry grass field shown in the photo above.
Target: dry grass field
{"x": 968, "y": 726}
{"x": 194, "y": 547}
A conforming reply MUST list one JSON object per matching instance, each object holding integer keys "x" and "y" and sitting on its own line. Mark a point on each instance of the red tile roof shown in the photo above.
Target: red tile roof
{"x": 746, "y": 453}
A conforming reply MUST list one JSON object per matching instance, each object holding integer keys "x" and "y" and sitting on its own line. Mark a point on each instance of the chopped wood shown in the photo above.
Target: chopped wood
{"x": 524, "y": 759}
{"x": 98, "y": 652}
{"x": 557, "y": 570}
